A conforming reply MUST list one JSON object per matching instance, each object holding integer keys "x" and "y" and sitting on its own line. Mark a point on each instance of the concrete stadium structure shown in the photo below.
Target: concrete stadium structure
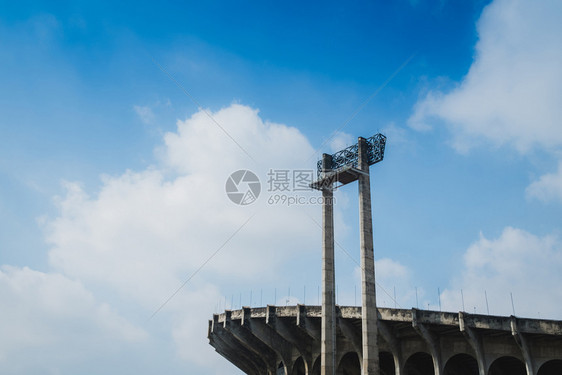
{"x": 286, "y": 340}
{"x": 366, "y": 340}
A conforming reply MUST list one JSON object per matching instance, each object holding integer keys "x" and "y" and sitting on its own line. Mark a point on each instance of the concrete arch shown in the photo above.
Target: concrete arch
{"x": 507, "y": 365}
{"x": 461, "y": 364}
{"x": 282, "y": 369}
{"x": 419, "y": 363}
{"x": 552, "y": 367}
{"x": 386, "y": 361}
{"x": 299, "y": 368}
{"x": 316, "y": 366}
{"x": 349, "y": 365}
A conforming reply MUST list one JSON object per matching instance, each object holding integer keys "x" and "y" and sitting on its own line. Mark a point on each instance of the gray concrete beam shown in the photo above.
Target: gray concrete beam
{"x": 328, "y": 340}
{"x": 432, "y": 341}
{"x": 303, "y": 344}
{"x": 270, "y": 314}
{"x": 234, "y": 345}
{"x": 251, "y": 342}
{"x": 272, "y": 324}
{"x": 475, "y": 342}
{"x": 521, "y": 341}
{"x": 310, "y": 327}
{"x": 540, "y": 326}
{"x": 370, "y": 362}
{"x": 395, "y": 315}
{"x": 481, "y": 322}
{"x": 293, "y": 335}
{"x": 214, "y": 323}
{"x": 390, "y": 337}
{"x": 351, "y": 333}
{"x": 237, "y": 355}
{"x": 270, "y": 337}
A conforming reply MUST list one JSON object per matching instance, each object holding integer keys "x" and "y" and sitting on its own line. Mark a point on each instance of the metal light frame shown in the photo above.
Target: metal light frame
{"x": 349, "y": 157}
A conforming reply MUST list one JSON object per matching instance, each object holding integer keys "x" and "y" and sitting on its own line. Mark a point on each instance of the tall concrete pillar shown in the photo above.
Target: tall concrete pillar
{"x": 328, "y": 336}
{"x": 370, "y": 364}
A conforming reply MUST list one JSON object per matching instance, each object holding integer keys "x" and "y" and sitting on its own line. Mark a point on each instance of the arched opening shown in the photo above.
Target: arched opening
{"x": 553, "y": 367}
{"x": 419, "y": 364}
{"x": 349, "y": 365}
{"x": 281, "y": 369}
{"x": 461, "y": 364}
{"x": 316, "y": 366}
{"x": 299, "y": 368}
{"x": 386, "y": 361}
{"x": 507, "y": 366}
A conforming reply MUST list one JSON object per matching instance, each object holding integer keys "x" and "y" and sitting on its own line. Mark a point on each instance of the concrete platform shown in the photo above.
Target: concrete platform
{"x": 286, "y": 340}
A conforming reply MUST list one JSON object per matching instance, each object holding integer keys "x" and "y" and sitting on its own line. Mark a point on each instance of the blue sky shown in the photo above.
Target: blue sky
{"x": 113, "y": 165}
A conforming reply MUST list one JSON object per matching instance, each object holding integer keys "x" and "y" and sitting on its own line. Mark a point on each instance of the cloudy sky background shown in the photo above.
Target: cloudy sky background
{"x": 120, "y": 124}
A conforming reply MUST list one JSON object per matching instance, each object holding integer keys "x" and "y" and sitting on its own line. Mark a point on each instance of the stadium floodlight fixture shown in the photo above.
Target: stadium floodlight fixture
{"x": 342, "y": 167}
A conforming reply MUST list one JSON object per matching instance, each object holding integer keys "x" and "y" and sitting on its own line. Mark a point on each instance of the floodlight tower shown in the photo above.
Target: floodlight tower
{"x": 344, "y": 167}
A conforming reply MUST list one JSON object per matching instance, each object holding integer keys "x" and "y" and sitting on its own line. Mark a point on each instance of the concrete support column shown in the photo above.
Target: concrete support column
{"x": 521, "y": 341}
{"x": 432, "y": 341}
{"x": 352, "y": 334}
{"x": 391, "y": 339}
{"x": 370, "y": 365}
{"x": 475, "y": 341}
{"x": 328, "y": 335}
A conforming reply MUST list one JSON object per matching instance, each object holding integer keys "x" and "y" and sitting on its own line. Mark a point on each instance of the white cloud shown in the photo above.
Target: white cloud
{"x": 397, "y": 134}
{"x": 145, "y": 232}
{"x": 49, "y": 321}
{"x": 189, "y": 329}
{"x": 341, "y": 140}
{"x": 145, "y": 113}
{"x": 517, "y": 262}
{"x": 388, "y": 269}
{"x": 392, "y": 278}
{"x": 513, "y": 90}
{"x": 548, "y": 187}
